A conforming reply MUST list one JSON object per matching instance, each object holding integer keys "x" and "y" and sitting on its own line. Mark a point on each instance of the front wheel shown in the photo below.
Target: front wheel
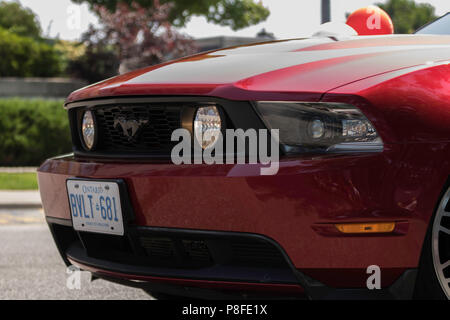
{"x": 433, "y": 281}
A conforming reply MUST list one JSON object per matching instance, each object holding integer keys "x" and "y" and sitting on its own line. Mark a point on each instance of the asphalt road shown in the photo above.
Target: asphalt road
{"x": 30, "y": 266}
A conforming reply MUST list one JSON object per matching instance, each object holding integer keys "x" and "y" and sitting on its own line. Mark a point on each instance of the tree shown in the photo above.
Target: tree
{"x": 407, "y": 15}
{"x": 237, "y": 14}
{"x": 27, "y": 57}
{"x": 19, "y": 20}
{"x": 132, "y": 37}
{"x": 98, "y": 62}
{"x": 142, "y": 32}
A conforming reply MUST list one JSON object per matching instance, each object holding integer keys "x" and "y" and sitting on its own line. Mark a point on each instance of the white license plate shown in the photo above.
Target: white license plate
{"x": 95, "y": 206}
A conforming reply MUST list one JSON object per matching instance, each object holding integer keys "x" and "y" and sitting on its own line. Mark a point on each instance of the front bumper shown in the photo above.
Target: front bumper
{"x": 288, "y": 210}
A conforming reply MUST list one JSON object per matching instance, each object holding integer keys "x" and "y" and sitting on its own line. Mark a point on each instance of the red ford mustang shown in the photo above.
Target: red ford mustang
{"x": 359, "y": 207}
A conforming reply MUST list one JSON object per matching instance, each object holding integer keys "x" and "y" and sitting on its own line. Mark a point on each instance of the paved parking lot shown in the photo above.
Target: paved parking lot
{"x": 30, "y": 267}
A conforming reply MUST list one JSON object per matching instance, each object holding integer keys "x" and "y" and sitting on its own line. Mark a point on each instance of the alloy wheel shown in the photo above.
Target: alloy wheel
{"x": 441, "y": 243}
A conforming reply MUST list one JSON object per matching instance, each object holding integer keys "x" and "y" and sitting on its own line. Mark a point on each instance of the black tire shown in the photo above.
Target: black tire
{"x": 428, "y": 286}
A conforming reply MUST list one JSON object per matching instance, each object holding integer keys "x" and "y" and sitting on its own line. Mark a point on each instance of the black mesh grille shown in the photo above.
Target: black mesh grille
{"x": 176, "y": 253}
{"x": 152, "y": 134}
{"x": 183, "y": 252}
{"x": 197, "y": 250}
{"x": 245, "y": 252}
{"x": 158, "y": 247}
{"x": 187, "y": 252}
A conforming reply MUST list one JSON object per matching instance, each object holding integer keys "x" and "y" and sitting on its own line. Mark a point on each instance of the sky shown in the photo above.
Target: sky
{"x": 288, "y": 18}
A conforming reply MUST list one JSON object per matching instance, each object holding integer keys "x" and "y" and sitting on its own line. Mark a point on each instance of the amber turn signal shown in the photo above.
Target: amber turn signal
{"x": 371, "y": 227}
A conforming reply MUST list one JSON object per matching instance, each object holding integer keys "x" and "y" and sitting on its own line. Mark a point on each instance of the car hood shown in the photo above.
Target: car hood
{"x": 314, "y": 66}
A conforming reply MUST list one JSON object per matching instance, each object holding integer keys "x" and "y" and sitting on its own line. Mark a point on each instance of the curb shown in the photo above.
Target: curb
{"x": 18, "y": 206}
{"x": 17, "y": 200}
{"x": 18, "y": 169}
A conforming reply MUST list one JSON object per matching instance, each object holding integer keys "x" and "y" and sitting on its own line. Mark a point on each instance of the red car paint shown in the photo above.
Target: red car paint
{"x": 401, "y": 83}
{"x": 276, "y": 70}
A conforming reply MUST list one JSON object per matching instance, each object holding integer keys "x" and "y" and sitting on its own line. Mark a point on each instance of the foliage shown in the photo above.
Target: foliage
{"x": 23, "y": 52}
{"x": 132, "y": 37}
{"x": 26, "y": 57}
{"x": 19, "y": 20}
{"x": 407, "y": 15}
{"x": 18, "y": 181}
{"x": 237, "y": 14}
{"x": 70, "y": 50}
{"x": 32, "y": 131}
{"x": 98, "y": 62}
{"x": 143, "y": 36}
{"x": 139, "y": 33}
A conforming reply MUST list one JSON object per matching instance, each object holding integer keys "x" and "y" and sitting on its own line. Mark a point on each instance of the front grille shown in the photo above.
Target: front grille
{"x": 156, "y": 124}
{"x": 158, "y": 118}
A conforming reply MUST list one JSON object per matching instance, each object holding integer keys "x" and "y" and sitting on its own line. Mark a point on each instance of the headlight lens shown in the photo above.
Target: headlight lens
{"x": 207, "y": 126}
{"x": 88, "y": 130}
{"x": 320, "y": 127}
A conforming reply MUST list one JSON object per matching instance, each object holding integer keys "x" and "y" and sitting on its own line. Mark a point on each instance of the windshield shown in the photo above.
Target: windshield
{"x": 440, "y": 26}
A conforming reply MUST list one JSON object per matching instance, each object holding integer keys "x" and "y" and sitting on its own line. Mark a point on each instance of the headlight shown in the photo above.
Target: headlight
{"x": 207, "y": 126}
{"x": 88, "y": 130}
{"x": 320, "y": 127}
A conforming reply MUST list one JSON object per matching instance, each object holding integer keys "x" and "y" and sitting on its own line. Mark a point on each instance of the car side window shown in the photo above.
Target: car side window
{"x": 440, "y": 26}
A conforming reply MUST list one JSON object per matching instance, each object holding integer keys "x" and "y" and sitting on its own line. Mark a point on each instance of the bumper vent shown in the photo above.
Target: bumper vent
{"x": 176, "y": 253}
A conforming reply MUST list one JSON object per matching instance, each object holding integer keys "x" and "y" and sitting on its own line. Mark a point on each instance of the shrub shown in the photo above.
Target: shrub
{"x": 32, "y": 130}
{"x": 26, "y": 57}
{"x": 70, "y": 51}
{"x": 98, "y": 63}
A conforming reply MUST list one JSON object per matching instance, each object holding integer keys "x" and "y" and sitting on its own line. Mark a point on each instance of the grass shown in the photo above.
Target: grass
{"x": 18, "y": 181}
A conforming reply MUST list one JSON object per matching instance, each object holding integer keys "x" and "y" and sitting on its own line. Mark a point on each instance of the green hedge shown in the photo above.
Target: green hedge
{"x": 26, "y": 57}
{"x": 32, "y": 130}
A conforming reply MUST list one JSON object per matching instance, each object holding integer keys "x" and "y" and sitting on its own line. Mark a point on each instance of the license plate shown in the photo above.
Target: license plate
{"x": 95, "y": 206}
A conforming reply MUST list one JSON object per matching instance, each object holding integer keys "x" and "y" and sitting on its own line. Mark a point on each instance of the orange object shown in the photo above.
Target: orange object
{"x": 371, "y": 20}
{"x": 372, "y": 227}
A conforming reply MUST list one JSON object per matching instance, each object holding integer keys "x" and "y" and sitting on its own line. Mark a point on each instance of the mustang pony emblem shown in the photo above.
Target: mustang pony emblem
{"x": 129, "y": 127}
